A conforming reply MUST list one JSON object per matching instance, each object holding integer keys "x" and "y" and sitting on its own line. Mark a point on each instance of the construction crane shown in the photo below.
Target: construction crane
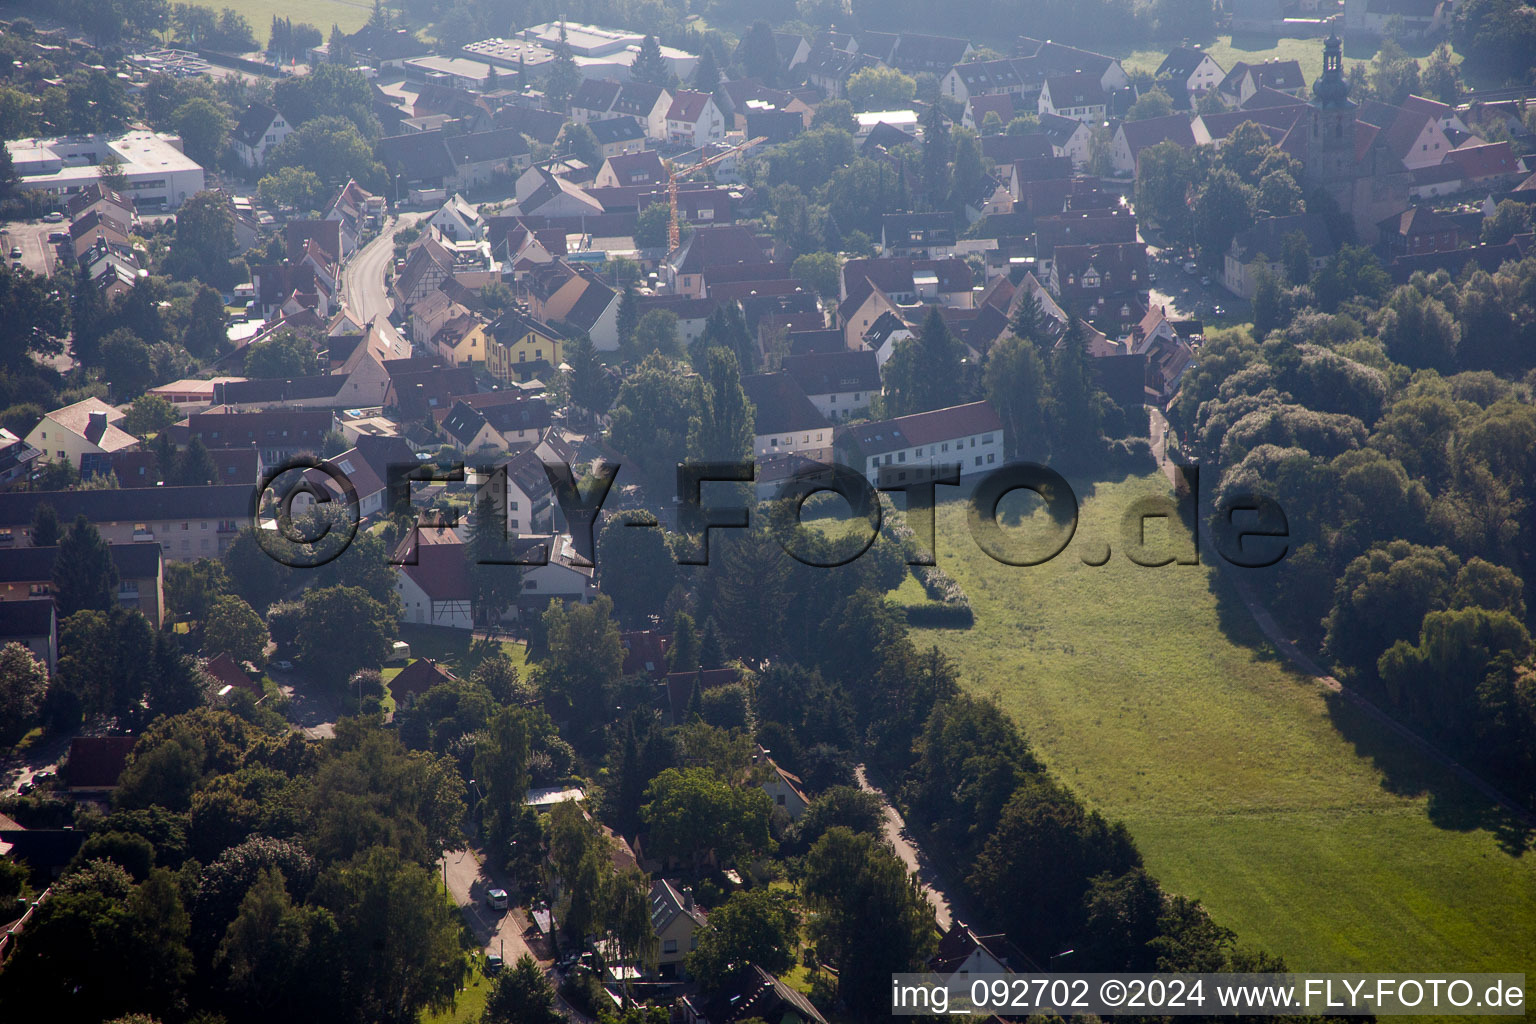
{"x": 673, "y": 235}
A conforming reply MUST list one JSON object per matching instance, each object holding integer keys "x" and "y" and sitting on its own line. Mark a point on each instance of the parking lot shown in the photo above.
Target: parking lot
{"x": 37, "y": 253}
{"x": 1187, "y": 294}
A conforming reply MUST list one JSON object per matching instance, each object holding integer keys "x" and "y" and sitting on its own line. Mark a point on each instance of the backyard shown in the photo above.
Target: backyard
{"x": 1301, "y": 824}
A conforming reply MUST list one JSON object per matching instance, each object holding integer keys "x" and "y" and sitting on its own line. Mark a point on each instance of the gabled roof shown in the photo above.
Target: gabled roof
{"x": 687, "y": 106}
{"x": 637, "y": 168}
{"x": 617, "y": 129}
{"x": 988, "y": 75}
{"x": 782, "y": 407}
{"x": 1416, "y": 220}
{"x": 923, "y": 428}
{"x": 29, "y": 620}
{"x": 419, "y": 676}
{"x": 713, "y": 245}
{"x": 823, "y": 373}
{"x": 751, "y": 992}
{"x": 253, "y": 124}
{"x": 223, "y": 671}
{"x": 637, "y": 99}
{"x": 1078, "y": 89}
{"x": 1181, "y": 62}
{"x": 589, "y": 308}
{"x": 1278, "y": 74}
{"x": 417, "y": 156}
{"x": 298, "y": 233}
{"x": 96, "y": 762}
{"x": 435, "y": 561}
{"x": 1485, "y": 161}
{"x": 1267, "y": 236}
{"x": 595, "y": 94}
{"x": 668, "y": 904}
{"x": 137, "y": 561}
{"x": 463, "y": 424}
{"x": 1174, "y": 128}
{"x": 481, "y": 147}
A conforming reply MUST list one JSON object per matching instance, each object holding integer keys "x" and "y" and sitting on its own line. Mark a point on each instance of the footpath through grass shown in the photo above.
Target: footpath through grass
{"x": 1302, "y": 825}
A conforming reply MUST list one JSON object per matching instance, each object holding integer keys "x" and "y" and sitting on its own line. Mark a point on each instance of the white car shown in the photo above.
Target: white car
{"x": 496, "y": 899}
{"x": 283, "y": 666}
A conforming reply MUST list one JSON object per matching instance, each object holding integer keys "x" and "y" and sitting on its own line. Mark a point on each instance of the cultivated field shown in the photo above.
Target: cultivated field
{"x": 1302, "y": 826}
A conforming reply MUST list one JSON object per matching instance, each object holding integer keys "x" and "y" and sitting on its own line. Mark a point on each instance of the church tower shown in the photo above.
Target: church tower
{"x": 1330, "y": 130}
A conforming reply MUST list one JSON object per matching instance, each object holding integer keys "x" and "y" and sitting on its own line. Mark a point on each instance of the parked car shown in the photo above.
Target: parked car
{"x": 24, "y": 788}
{"x": 42, "y": 776}
{"x": 1205, "y": 280}
{"x": 58, "y": 236}
{"x": 493, "y": 963}
{"x": 53, "y": 217}
{"x": 15, "y": 252}
{"x": 496, "y": 899}
{"x": 283, "y": 666}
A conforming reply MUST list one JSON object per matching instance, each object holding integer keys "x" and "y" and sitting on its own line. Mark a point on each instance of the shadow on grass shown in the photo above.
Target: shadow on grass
{"x": 1406, "y": 771}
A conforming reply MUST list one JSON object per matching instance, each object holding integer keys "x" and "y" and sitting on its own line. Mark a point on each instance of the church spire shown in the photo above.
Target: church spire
{"x": 1330, "y": 90}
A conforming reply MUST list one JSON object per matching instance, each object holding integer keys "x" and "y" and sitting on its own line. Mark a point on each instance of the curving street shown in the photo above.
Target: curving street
{"x": 364, "y": 278}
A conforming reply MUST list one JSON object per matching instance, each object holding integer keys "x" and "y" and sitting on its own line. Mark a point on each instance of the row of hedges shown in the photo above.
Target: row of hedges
{"x": 952, "y": 609}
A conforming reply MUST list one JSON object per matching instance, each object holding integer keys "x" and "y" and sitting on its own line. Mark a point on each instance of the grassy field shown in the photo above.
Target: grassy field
{"x": 1300, "y": 824}
{"x": 351, "y": 15}
{"x": 1227, "y": 50}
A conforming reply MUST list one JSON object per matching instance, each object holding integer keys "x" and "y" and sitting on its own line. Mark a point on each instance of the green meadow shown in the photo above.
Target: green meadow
{"x": 1303, "y": 826}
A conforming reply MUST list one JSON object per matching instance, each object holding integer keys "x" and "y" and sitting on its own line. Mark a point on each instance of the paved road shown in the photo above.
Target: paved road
{"x": 499, "y": 931}
{"x": 363, "y": 279}
{"x": 44, "y": 756}
{"x": 944, "y": 908}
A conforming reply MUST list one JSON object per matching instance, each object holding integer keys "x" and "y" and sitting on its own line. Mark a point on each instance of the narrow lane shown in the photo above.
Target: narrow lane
{"x": 918, "y": 865}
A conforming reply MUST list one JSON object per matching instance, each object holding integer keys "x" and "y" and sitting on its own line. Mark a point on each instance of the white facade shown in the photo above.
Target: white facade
{"x": 418, "y": 607}
{"x": 87, "y": 427}
{"x": 975, "y": 453}
{"x": 153, "y": 164}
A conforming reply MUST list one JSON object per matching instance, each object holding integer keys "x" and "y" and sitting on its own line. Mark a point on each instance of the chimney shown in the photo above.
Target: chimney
{"x": 97, "y": 424}
{"x": 688, "y": 898}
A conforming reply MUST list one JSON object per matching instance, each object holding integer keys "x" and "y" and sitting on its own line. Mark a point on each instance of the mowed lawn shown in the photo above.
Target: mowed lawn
{"x": 351, "y": 15}
{"x": 1302, "y": 826}
{"x": 1227, "y": 50}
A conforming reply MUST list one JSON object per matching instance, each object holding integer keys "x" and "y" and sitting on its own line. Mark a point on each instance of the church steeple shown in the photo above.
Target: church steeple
{"x": 1331, "y": 91}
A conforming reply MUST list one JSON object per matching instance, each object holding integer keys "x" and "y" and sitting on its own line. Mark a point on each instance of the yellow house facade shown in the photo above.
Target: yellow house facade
{"x": 516, "y": 343}
{"x": 462, "y": 341}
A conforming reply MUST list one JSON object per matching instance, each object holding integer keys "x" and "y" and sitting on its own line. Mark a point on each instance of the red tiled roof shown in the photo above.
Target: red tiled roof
{"x": 96, "y": 762}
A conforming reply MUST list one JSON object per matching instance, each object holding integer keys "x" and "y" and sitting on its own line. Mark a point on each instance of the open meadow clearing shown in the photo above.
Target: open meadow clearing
{"x": 1302, "y": 825}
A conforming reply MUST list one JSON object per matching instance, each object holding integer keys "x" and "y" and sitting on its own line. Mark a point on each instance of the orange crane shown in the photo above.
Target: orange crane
{"x": 673, "y": 236}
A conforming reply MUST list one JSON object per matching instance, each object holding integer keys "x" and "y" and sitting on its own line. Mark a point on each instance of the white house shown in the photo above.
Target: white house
{"x": 561, "y": 577}
{"x": 841, "y": 385}
{"x": 432, "y": 579}
{"x": 459, "y": 221}
{"x": 970, "y": 435}
{"x": 1079, "y": 95}
{"x": 675, "y": 918}
{"x": 1192, "y": 70}
{"x": 786, "y": 419}
{"x": 694, "y": 119}
{"x": 89, "y": 426}
{"x": 260, "y": 129}
{"x": 783, "y": 788}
